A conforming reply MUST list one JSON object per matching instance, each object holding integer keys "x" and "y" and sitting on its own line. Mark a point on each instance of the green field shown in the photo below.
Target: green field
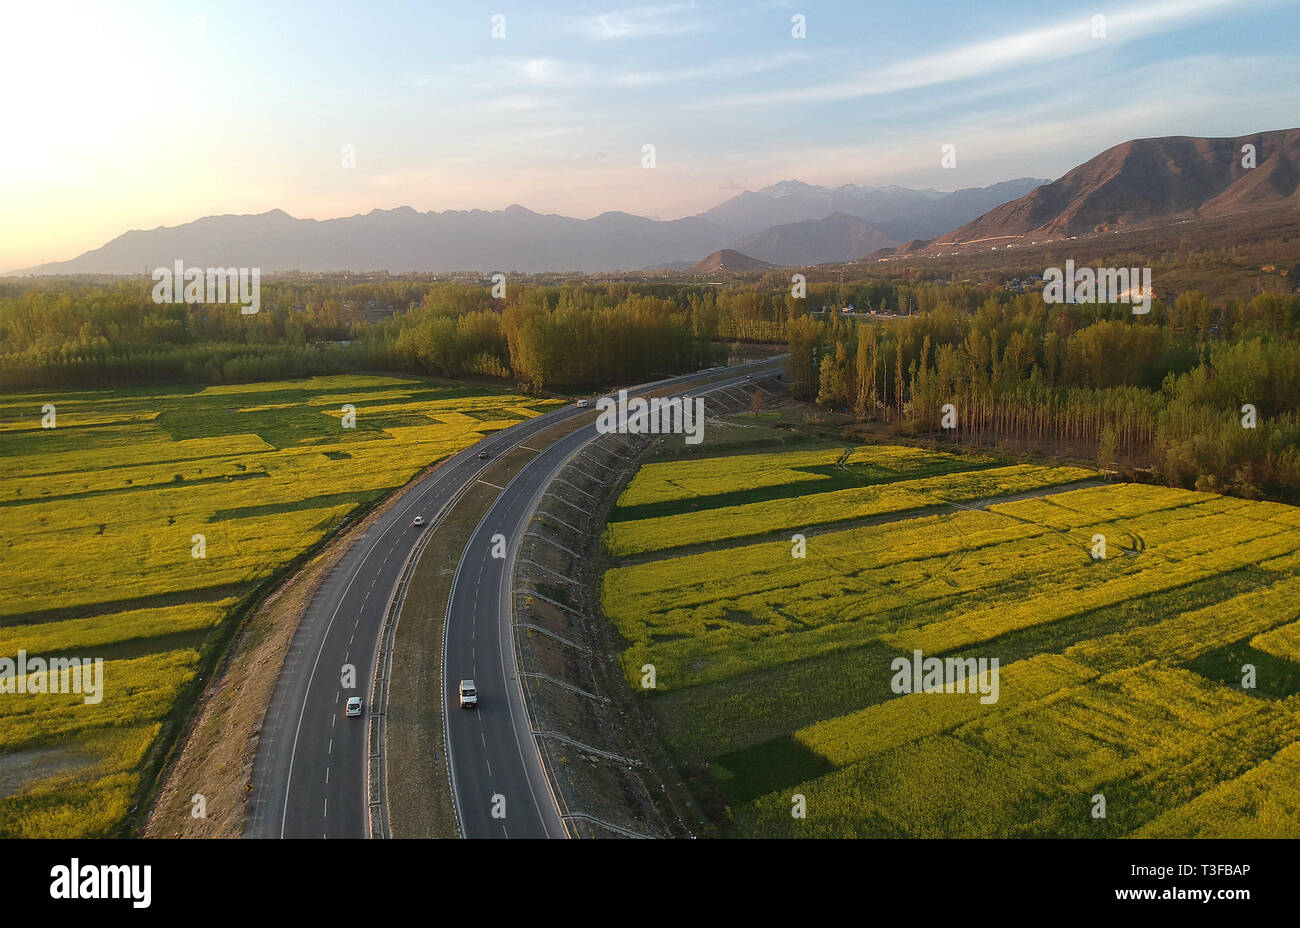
{"x": 1119, "y": 677}
{"x": 98, "y": 518}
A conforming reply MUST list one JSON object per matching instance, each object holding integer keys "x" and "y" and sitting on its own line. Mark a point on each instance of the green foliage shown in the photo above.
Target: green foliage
{"x": 1165, "y": 390}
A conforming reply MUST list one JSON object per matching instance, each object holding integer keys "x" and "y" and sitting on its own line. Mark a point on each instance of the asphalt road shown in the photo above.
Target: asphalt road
{"x": 309, "y": 776}
{"x": 499, "y": 786}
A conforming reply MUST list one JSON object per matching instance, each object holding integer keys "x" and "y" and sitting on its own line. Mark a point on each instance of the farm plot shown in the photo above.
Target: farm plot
{"x": 801, "y": 510}
{"x": 1280, "y": 642}
{"x": 1110, "y": 677}
{"x": 731, "y": 479}
{"x": 139, "y": 526}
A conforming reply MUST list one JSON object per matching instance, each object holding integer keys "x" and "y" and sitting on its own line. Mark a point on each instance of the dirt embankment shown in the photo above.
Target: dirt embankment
{"x": 608, "y": 767}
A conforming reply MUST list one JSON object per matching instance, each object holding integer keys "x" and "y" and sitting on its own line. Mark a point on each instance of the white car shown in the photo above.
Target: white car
{"x": 468, "y": 694}
{"x": 353, "y": 706}
{"x": 583, "y": 404}
{"x": 417, "y": 521}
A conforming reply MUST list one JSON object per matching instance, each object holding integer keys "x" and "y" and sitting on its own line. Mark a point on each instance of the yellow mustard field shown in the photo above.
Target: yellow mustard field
{"x": 139, "y": 526}
{"x": 805, "y": 511}
{"x": 1282, "y": 642}
{"x": 1152, "y": 690}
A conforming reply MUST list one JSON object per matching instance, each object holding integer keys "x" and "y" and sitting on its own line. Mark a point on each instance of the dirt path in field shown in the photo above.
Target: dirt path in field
{"x": 1028, "y": 494}
{"x": 826, "y": 528}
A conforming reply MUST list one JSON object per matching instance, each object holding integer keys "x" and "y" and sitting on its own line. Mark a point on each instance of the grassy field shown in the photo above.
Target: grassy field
{"x": 881, "y": 482}
{"x": 99, "y": 518}
{"x": 1119, "y": 677}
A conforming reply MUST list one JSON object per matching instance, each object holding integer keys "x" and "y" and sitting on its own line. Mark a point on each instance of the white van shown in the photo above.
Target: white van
{"x": 468, "y": 694}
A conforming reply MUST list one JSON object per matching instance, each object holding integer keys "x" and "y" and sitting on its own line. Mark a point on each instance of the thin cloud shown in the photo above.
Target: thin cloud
{"x": 1038, "y": 140}
{"x": 1050, "y": 43}
{"x": 640, "y": 22}
{"x": 539, "y": 70}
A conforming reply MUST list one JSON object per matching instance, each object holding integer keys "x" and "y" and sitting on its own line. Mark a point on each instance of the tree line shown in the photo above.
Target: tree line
{"x": 73, "y": 333}
{"x": 1207, "y": 396}
{"x": 1163, "y": 391}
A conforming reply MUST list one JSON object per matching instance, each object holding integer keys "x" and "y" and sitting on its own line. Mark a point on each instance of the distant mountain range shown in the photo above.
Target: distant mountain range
{"x": 1137, "y": 184}
{"x": 402, "y": 240}
{"x": 789, "y": 223}
{"x": 899, "y": 212}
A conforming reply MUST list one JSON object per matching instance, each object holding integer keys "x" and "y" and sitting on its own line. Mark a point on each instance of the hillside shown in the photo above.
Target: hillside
{"x": 838, "y": 237}
{"x": 728, "y": 261}
{"x": 1145, "y": 182}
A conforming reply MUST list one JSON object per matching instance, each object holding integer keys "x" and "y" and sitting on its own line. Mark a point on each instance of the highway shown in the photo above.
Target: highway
{"x": 493, "y": 757}
{"x": 309, "y": 775}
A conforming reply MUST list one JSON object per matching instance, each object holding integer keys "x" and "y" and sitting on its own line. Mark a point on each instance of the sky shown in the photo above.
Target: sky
{"x": 132, "y": 115}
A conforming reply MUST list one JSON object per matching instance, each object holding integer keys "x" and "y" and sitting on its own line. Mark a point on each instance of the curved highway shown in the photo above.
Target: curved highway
{"x": 309, "y": 775}
{"x": 499, "y": 787}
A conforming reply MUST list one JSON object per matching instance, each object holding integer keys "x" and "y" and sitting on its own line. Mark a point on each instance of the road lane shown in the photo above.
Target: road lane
{"x": 492, "y": 753}
{"x": 309, "y": 775}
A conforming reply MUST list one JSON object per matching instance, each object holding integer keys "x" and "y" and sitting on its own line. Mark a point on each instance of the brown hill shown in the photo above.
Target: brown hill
{"x": 1143, "y": 183}
{"x": 728, "y": 261}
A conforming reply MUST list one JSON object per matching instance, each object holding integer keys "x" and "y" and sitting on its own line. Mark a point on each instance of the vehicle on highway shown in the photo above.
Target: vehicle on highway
{"x": 583, "y": 404}
{"x": 353, "y": 706}
{"x": 468, "y": 694}
{"x": 482, "y": 455}
{"x": 417, "y": 521}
